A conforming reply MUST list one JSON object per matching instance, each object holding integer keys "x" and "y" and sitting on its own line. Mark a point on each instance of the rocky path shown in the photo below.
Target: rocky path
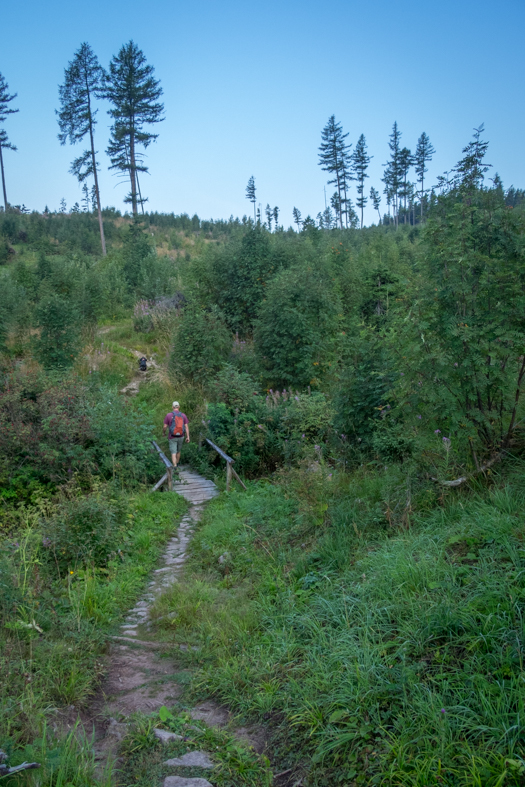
{"x": 141, "y": 677}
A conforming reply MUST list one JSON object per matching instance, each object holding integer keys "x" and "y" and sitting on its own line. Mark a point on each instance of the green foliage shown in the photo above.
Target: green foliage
{"x": 201, "y": 344}
{"x": 50, "y": 431}
{"x": 235, "y": 763}
{"x": 262, "y": 432}
{"x": 134, "y": 95}
{"x": 376, "y": 655}
{"x": 121, "y": 437}
{"x": 296, "y": 331}
{"x": 461, "y": 340}
{"x": 69, "y": 762}
{"x": 44, "y": 432}
{"x": 240, "y": 276}
{"x": 85, "y": 531}
{"x": 363, "y": 393}
{"x": 55, "y": 623}
{"x": 235, "y": 389}
{"x": 4, "y": 250}
{"x": 59, "y": 323}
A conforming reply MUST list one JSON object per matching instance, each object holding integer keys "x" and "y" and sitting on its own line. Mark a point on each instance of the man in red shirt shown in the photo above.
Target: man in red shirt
{"x": 177, "y": 425}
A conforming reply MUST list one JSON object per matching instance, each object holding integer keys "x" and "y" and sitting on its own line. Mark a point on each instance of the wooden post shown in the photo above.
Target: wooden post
{"x": 228, "y": 475}
{"x": 170, "y": 479}
{"x": 238, "y": 479}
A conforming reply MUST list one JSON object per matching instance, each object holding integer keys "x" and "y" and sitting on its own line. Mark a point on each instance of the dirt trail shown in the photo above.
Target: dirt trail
{"x": 141, "y": 677}
{"x": 132, "y": 388}
{"x": 137, "y": 678}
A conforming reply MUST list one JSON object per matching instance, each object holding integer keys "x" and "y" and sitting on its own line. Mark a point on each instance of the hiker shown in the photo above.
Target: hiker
{"x": 177, "y": 424}
{"x": 143, "y": 365}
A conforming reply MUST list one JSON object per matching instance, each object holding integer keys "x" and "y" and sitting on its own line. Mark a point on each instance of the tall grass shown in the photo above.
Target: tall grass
{"x": 56, "y": 621}
{"x": 387, "y": 656}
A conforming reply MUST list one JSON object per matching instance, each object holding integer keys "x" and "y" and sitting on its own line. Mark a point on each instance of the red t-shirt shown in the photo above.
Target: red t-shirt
{"x": 169, "y": 418}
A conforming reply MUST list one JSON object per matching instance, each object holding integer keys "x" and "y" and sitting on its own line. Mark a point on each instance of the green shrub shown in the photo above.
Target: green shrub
{"x": 295, "y": 333}
{"x": 201, "y": 344}
{"x": 59, "y": 323}
{"x": 84, "y": 531}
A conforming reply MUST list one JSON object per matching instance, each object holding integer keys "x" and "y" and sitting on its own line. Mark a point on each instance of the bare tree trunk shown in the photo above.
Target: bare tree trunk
{"x": 140, "y": 194}
{"x": 132, "y": 171}
{"x": 3, "y": 178}
{"x": 95, "y": 175}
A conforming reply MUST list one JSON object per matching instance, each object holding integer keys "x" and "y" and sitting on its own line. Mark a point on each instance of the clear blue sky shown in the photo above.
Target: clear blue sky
{"x": 248, "y": 88}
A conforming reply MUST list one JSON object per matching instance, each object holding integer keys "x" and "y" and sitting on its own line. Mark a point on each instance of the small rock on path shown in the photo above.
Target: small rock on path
{"x": 193, "y": 759}
{"x": 181, "y": 781}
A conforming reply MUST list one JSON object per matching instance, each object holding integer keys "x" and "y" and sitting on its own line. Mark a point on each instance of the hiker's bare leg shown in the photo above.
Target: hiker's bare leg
{"x": 174, "y": 459}
{"x": 178, "y": 459}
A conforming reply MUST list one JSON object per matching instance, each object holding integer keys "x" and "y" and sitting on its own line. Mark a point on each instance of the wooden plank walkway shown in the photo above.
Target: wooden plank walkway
{"x": 193, "y": 487}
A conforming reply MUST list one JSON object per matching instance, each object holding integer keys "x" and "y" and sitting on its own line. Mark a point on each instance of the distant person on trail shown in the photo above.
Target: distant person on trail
{"x": 143, "y": 364}
{"x": 177, "y": 425}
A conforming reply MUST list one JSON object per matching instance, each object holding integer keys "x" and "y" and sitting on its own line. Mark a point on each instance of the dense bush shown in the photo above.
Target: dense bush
{"x": 84, "y": 531}
{"x": 59, "y": 324}
{"x": 262, "y": 431}
{"x": 52, "y": 429}
{"x": 296, "y": 330}
{"x": 201, "y": 344}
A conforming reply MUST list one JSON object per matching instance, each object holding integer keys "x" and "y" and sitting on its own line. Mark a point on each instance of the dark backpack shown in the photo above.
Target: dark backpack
{"x": 176, "y": 425}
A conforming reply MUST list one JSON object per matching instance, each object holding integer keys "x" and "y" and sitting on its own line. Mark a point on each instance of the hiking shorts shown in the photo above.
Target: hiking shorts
{"x": 176, "y": 445}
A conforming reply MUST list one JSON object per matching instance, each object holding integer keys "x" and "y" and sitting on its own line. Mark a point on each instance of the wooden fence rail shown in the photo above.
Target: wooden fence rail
{"x": 229, "y": 469}
{"x": 168, "y": 475}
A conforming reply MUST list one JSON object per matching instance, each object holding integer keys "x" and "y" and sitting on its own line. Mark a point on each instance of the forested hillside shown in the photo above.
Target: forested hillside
{"x": 363, "y": 599}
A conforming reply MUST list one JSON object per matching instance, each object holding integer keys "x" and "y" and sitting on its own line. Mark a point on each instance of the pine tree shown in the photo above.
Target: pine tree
{"x": 376, "y": 201}
{"x": 297, "y": 218}
{"x": 269, "y": 216}
{"x": 392, "y": 174}
{"x": 5, "y": 144}
{"x": 276, "y": 217}
{"x": 406, "y": 160}
{"x": 360, "y": 162}
{"x": 424, "y": 153}
{"x": 335, "y": 202}
{"x": 83, "y": 80}
{"x": 86, "y": 202}
{"x": 134, "y": 94}
{"x": 250, "y": 194}
{"x": 326, "y": 219}
{"x": 470, "y": 170}
{"x": 334, "y": 157}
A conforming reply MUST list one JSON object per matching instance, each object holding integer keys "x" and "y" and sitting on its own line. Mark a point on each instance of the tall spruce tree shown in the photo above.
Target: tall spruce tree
{"x": 250, "y": 195}
{"x": 269, "y": 216}
{"x": 334, "y": 158}
{"x": 276, "y": 216}
{"x": 424, "y": 153}
{"x": 360, "y": 162}
{"x": 134, "y": 94}
{"x": 5, "y": 144}
{"x": 83, "y": 81}
{"x": 406, "y": 160}
{"x": 376, "y": 201}
{"x": 393, "y": 174}
{"x": 470, "y": 170}
{"x": 297, "y": 218}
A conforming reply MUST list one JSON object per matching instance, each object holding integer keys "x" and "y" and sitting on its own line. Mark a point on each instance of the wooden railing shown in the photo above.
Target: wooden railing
{"x": 229, "y": 469}
{"x": 167, "y": 478}
{"x": 168, "y": 475}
